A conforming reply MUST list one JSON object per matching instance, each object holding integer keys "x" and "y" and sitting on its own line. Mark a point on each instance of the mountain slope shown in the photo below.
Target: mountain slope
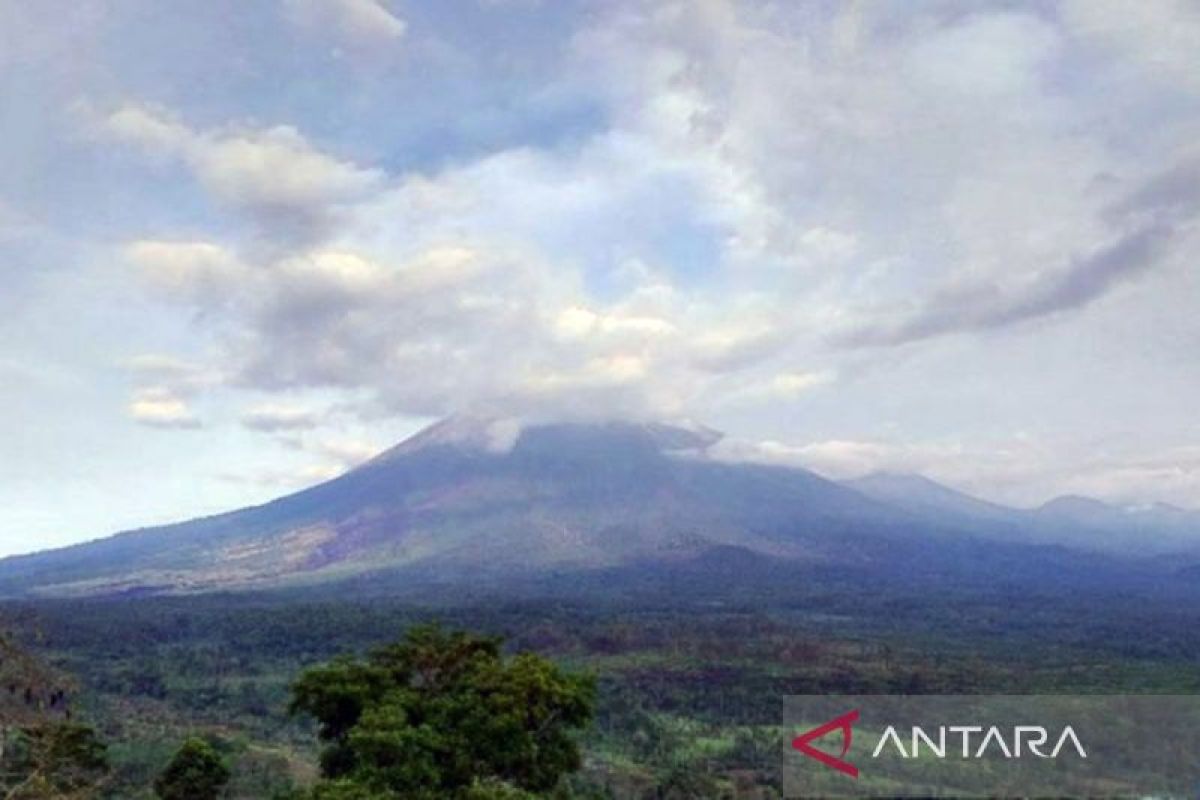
{"x": 475, "y": 499}
{"x": 1156, "y": 529}
{"x": 1078, "y": 522}
{"x": 471, "y": 496}
{"x": 921, "y": 496}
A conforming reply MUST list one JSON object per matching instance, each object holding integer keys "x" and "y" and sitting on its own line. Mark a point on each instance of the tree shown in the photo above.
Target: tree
{"x": 196, "y": 772}
{"x": 62, "y": 761}
{"x": 445, "y": 715}
{"x": 43, "y": 754}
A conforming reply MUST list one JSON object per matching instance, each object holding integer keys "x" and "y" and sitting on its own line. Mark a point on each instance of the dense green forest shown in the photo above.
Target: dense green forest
{"x": 687, "y": 690}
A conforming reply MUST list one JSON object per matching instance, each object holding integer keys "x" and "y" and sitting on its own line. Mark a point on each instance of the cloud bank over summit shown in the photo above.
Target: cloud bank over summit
{"x": 912, "y": 236}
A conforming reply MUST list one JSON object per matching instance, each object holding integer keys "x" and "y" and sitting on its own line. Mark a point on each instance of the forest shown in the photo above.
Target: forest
{"x": 684, "y": 689}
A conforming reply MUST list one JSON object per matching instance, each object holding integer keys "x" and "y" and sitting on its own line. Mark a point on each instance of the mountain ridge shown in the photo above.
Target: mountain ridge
{"x": 471, "y": 496}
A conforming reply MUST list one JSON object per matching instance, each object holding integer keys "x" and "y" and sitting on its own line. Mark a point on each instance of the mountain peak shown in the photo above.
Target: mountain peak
{"x": 900, "y": 484}
{"x": 463, "y": 431}
{"x": 682, "y": 435}
{"x": 499, "y": 435}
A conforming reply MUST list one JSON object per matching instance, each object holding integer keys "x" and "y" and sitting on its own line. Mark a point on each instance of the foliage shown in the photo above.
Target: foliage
{"x": 196, "y": 772}
{"x": 64, "y": 761}
{"x": 31, "y": 692}
{"x": 443, "y": 714}
{"x": 688, "y": 680}
{"x": 43, "y": 754}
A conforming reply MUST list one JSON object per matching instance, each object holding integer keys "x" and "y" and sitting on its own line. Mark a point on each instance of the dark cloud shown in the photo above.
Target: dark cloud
{"x": 1152, "y": 217}
{"x": 1173, "y": 195}
{"x": 986, "y": 306}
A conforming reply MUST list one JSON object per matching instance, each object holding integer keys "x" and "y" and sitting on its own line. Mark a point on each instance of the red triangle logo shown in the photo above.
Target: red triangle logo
{"x": 845, "y": 724}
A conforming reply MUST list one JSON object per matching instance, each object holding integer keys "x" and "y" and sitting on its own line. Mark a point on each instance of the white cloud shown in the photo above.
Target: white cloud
{"x": 288, "y": 186}
{"x": 347, "y": 453}
{"x": 764, "y": 179}
{"x": 355, "y": 22}
{"x": 151, "y": 128}
{"x": 791, "y": 385}
{"x": 1162, "y": 37}
{"x": 985, "y": 54}
{"x": 943, "y": 138}
{"x": 835, "y": 458}
{"x": 1020, "y": 471}
{"x": 731, "y": 347}
{"x": 1172, "y": 475}
{"x": 579, "y": 323}
{"x": 276, "y": 168}
{"x": 159, "y": 407}
{"x": 788, "y": 151}
{"x": 199, "y": 272}
{"x": 172, "y": 377}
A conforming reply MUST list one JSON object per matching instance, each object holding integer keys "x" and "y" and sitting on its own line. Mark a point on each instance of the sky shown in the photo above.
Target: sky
{"x": 245, "y": 244}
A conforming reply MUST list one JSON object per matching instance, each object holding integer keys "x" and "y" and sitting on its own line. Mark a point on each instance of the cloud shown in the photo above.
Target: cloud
{"x": 287, "y": 186}
{"x": 272, "y": 418}
{"x": 488, "y": 284}
{"x": 1160, "y": 37}
{"x": 156, "y": 365}
{"x": 784, "y": 386}
{"x": 835, "y": 458}
{"x": 1150, "y": 219}
{"x": 171, "y": 377}
{"x": 359, "y": 23}
{"x": 158, "y": 407}
{"x": 1172, "y": 473}
{"x": 984, "y": 306}
{"x": 200, "y": 272}
{"x": 284, "y": 478}
{"x": 579, "y": 323}
{"x": 762, "y": 185}
{"x": 325, "y": 457}
{"x": 619, "y": 208}
{"x": 730, "y": 347}
{"x": 345, "y": 452}
{"x": 957, "y": 115}
{"x": 985, "y": 54}
{"x": 1022, "y": 471}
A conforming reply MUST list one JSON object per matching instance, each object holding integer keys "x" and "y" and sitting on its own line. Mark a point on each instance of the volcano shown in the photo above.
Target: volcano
{"x": 469, "y": 499}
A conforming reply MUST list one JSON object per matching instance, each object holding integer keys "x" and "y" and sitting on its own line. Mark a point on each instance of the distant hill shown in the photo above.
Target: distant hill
{"x": 469, "y": 500}
{"x": 1154, "y": 529}
{"x": 1077, "y": 522}
{"x": 929, "y": 499}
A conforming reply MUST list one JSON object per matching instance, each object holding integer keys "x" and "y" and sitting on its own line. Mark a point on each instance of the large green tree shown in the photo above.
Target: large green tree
{"x": 43, "y": 753}
{"x": 196, "y": 772}
{"x": 446, "y": 715}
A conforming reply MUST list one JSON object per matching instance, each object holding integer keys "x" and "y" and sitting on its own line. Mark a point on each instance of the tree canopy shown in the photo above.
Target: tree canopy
{"x": 444, "y": 714}
{"x": 196, "y": 772}
{"x": 59, "y": 761}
